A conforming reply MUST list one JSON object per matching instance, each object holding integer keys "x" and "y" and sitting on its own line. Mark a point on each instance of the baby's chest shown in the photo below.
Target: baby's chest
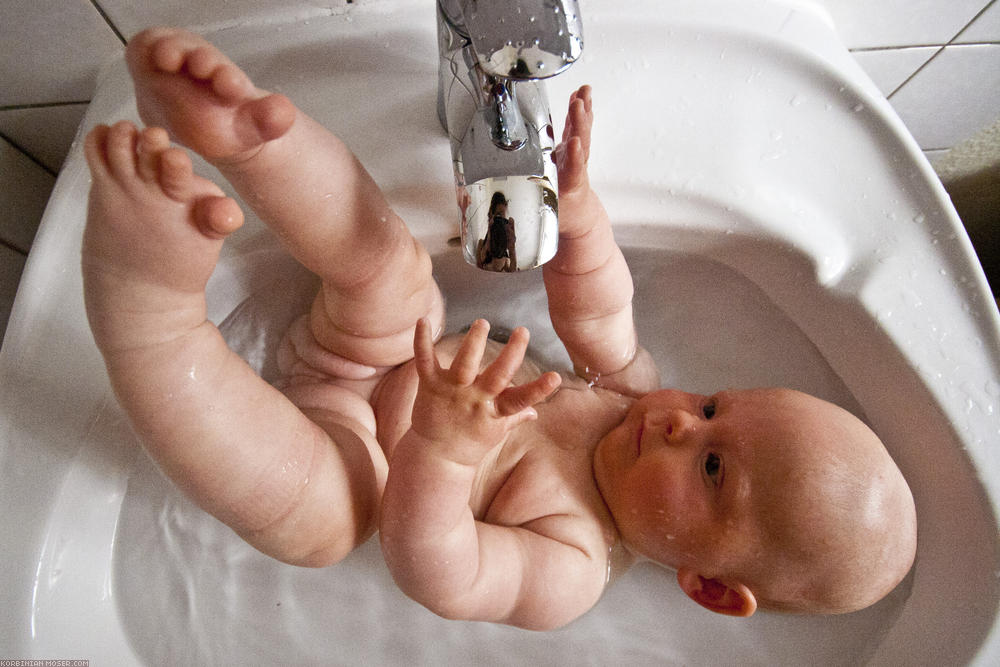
{"x": 553, "y": 485}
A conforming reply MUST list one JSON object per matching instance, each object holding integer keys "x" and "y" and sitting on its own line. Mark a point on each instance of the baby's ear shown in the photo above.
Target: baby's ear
{"x": 729, "y": 598}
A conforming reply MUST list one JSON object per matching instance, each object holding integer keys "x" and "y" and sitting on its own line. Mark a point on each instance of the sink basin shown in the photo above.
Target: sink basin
{"x": 783, "y": 228}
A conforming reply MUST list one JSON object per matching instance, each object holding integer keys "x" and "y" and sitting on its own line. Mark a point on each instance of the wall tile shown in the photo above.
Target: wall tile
{"x": 889, "y": 68}
{"x": 986, "y": 28}
{"x": 11, "y": 265}
{"x": 130, "y": 17}
{"x": 52, "y": 50}
{"x": 25, "y": 191}
{"x": 954, "y": 96}
{"x": 45, "y": 133}
{"x": 883, "y": 23}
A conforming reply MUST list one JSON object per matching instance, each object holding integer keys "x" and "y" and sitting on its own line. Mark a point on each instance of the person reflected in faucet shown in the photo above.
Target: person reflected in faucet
{"x": 503, "y": 493}
{"x": 499, "y": 247}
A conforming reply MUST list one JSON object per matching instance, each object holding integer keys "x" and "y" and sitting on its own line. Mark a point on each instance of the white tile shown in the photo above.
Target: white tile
{"x": 130, "y": 17}
{"x": 11, "y": 265}
{"x": 882, "y": 23}
{"x": 25, "y": 191}
{"x": 889, "y": 68}
{"x": 986, "y": 28}
{"x": 954, "y": 96}
{"x": 45, "y": 133}
{"x": 52, "y": 50}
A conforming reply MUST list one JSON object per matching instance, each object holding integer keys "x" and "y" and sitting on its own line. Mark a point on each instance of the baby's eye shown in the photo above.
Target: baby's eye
{"x": 713, "y": 466}
{"x": 708, "y": 409}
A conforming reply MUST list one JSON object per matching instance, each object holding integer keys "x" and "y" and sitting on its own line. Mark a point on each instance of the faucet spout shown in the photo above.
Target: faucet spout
{"x": 508, "y": 130}
{"x": 493, "y": 105}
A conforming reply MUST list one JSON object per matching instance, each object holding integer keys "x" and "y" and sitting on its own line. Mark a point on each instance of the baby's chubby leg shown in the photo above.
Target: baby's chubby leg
{"x": 305, "y": 184}
{"x": 298, "y": 491}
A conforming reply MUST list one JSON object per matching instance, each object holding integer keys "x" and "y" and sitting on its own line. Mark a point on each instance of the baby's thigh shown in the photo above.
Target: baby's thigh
{"x": 336, "y": 508}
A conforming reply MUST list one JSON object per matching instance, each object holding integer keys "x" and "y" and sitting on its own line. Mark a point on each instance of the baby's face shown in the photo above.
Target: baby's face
{"x": 698, "y": 480}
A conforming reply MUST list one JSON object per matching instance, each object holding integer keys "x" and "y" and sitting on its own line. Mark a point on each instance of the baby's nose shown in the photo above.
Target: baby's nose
{"x": 679, "y": 427}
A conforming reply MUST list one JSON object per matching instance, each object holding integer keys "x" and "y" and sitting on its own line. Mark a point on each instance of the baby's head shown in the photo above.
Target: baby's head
{"x": 766, "y": 497}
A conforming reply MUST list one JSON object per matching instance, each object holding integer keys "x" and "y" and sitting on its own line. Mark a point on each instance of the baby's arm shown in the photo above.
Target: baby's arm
{"x": 530, "y": 575}
{"x": 588, "y": 282}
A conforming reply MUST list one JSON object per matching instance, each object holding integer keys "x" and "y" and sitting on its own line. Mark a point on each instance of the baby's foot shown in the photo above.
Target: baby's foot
{"x": 154, "y": 231}
{"x": 207, "y": 103}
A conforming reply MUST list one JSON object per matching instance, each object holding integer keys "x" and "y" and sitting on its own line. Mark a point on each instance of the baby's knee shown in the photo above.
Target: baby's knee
{"x": 374, "y": 333}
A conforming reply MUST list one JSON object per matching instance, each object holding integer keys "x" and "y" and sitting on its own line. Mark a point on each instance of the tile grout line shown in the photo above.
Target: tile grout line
{"x": 41, "y": 105}
{"x": 20, "y": 149}
{"x": 4, "y": 243}
{"x": 941, "y": 49}
{"x": 107, "y": 19}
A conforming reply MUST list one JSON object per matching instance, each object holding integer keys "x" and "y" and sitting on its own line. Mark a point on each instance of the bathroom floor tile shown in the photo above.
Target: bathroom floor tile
{"x": 888, "y": 68}
{"x": 131, "y": 17}
{"x": 11, "y": 265}
{"x": 52, "y": 51}
{"x": 25, "y": 192}
{"x": 45, "y": 133}
{"x": 986, "y": 27}
{"x": 867, "y": 24}
{"x": 956, "y": 95}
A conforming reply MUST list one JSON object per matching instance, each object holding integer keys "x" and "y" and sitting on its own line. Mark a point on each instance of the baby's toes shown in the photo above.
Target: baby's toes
{"x": 152, "y": 142}
{"x": 165, "y": 50}
{"x": 230, "y": 83}
{"x": 120, "y": 150}
{"x": 176, "y": 174}
{"x": 95, "y": 149}
{"x": 217, "y": 217}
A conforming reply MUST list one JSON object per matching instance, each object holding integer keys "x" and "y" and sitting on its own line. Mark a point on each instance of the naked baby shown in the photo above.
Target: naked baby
{"x": 502, "y": 493}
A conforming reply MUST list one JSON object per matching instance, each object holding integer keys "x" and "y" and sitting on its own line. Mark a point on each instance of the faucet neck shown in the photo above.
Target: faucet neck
{"x": 521, "y": 39}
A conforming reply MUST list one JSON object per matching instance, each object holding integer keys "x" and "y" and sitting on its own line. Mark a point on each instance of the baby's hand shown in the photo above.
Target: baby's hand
{"x": 466, "y": 412}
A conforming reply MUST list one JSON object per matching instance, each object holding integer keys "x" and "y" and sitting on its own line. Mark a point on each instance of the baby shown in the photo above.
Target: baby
{"x": 502, "y": 493}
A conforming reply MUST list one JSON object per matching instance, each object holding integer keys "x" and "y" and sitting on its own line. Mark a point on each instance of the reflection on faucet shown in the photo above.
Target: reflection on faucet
{"x": 498, "y": 251}
{"x": 492, "y": 104}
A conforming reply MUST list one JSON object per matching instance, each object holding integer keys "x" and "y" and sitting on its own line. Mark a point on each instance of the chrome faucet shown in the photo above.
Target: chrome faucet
{"x": 492, "y": 103}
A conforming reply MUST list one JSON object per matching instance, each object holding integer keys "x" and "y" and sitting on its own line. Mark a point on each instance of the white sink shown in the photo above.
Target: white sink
{"x": 783, "y": 228}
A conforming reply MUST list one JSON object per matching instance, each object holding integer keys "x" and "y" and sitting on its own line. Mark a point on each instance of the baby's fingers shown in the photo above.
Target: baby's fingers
{"x": 423, "y": 350}
{"x": 516, "y": 399}
{"x": 465, "y": 366}
{"x": 498, "y": 375}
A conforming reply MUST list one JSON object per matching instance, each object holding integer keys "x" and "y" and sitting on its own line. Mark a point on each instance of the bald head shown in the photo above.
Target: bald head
{"x": 841, "y": 530}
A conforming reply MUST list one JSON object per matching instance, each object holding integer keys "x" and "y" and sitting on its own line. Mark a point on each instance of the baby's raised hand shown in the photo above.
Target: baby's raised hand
{"x": 466, "y": 412}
